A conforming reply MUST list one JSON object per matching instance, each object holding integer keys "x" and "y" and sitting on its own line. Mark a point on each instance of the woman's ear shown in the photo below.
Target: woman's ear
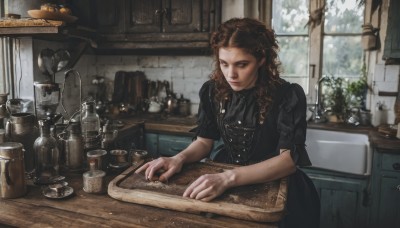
{"x": 261, "y": 62}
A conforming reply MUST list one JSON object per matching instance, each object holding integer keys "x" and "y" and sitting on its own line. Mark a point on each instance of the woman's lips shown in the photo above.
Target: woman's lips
{"x": 234, "y": 83}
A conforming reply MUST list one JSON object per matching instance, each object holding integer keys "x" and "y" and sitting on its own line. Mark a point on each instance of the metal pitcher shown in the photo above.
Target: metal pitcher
{"x": 12, "y": 170}
{"x": 21, "y": 128}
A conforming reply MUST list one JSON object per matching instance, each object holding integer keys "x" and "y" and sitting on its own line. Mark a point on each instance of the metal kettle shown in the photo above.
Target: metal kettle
{"x": 171, "y": 104}
{"x": 12, "y": 170}
{"x": 184, "y": 106}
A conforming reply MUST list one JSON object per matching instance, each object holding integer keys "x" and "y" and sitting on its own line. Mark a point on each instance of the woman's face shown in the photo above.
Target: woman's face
{"x": 239, "y": 67}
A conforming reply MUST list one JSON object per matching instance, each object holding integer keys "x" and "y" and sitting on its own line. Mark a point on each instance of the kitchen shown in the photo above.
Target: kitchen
{"x": 187, "y": 69}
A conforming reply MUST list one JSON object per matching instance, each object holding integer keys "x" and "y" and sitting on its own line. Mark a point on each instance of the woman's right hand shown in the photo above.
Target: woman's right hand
{"x": 167, "y": 165}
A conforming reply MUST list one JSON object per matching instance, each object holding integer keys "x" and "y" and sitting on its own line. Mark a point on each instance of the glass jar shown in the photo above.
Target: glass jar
{"x": 46, "y": 156}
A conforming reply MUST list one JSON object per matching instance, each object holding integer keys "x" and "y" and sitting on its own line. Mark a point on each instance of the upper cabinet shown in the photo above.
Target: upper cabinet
{"x": 133, "y": 24}
{"x": 392, "y": 40}
{"x": 146, "y": 24}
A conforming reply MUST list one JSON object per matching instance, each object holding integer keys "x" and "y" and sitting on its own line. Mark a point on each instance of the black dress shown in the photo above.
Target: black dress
{"x": 247, "y": 141}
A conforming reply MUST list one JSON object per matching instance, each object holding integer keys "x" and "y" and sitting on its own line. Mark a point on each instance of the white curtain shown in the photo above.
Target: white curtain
{"x": 6, "y": 67}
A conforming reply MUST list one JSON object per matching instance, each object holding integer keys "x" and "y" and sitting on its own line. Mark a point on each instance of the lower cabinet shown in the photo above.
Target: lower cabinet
{"x": 166, "y": 144}
{"x": 386, "y": 189}
{"x": 345, "y": 200}
{"x": 162, "y": 144}
{"x": 132, "y": 138}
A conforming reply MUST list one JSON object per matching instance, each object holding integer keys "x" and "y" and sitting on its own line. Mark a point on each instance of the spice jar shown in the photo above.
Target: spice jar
{"x": 94, "y": 180}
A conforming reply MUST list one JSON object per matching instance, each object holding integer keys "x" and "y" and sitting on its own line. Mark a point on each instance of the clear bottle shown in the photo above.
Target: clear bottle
{"x": 46, "y": 155}
{"x": 90, "y": 124}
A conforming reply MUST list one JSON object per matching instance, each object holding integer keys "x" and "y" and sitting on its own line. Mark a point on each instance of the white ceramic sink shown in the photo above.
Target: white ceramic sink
{"x": 339, "y": 151}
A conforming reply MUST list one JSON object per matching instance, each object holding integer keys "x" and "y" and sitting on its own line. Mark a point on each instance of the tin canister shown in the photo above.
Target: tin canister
{"x": 94, "y": 181}
{"x": 12, "y": 170}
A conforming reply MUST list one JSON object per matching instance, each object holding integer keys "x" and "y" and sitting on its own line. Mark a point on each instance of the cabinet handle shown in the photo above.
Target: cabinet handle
{"x": 396, "y": 166}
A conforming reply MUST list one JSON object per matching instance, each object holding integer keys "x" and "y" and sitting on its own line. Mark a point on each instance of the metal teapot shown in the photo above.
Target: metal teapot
{"x": 171, "y": 104}
{"x": 21, "y": 128}
{"x": 12, "y": 170}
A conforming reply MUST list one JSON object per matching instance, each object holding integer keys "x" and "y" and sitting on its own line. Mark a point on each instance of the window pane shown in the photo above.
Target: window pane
{"x": 342, "y": 56}
{"x": 343, "y": 17}
{"x": 290, "y": 16}
{"x": 294, "y": 57}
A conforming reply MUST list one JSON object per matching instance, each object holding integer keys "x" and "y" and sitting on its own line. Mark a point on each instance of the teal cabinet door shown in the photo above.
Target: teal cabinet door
{"x": 152, "y": 144}
{"x": 344, "y": 199}
{"x": 386, "y": 189}
{"x": 389, "y": 204}
{"x": 170, "y": 145}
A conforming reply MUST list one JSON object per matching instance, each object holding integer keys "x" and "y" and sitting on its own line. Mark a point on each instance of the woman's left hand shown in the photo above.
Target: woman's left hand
{"x": 207, "y": 187}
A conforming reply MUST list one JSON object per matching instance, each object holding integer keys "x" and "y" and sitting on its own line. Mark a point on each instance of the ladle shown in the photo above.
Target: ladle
{"x": 50, "y": 62}
{"x": 46, "y": 61}
{"x": 61, "y": 59}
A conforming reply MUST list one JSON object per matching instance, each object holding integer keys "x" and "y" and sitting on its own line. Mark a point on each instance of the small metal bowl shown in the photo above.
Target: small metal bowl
{"x": 119, "y": 156}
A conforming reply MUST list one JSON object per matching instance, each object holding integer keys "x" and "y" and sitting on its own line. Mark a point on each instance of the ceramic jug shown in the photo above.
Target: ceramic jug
{"x": 21, "y": 128}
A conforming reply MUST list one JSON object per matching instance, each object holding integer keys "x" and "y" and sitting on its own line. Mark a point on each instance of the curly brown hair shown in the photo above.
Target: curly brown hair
{"x": 255, "y": 38}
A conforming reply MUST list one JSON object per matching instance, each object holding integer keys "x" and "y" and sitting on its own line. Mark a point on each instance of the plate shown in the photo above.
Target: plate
{"x": 41, "y": 14}
{"x": 51, "y": 194}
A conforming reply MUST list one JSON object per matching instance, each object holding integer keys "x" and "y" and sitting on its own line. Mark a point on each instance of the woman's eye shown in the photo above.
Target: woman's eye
{"x": 241, "y": 65}
{"x": 223, "y": 64}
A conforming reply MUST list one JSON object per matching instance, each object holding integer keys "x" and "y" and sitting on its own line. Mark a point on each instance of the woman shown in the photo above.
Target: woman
{"x": 260, "y": 117}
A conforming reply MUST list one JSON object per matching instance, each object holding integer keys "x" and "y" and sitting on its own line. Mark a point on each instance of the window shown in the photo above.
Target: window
{"x": 330, "y": 44}
{"x": 288, "y": 20}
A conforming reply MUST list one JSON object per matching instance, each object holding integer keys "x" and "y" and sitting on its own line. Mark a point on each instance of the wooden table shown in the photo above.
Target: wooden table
{"x": 90, "y": 210}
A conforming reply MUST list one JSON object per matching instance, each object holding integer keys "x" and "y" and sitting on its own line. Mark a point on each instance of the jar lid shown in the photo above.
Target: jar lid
{"x": 94, "y": 174}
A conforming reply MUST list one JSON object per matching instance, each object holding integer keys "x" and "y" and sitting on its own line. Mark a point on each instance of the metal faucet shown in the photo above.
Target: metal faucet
{"x": 318, "y": 111}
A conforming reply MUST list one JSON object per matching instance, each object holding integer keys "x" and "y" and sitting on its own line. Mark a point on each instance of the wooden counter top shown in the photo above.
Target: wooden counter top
{"x": 90, "y": 210}
{"x": 184, "y": 125}
{"x": 159, "y": 123}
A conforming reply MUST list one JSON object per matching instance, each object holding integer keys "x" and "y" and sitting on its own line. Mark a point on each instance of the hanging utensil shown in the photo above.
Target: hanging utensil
{"x": 46, "y": 61}
{"x": 61, "y": 59}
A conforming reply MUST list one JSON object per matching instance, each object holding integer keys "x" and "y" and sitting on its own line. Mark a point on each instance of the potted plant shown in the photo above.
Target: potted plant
{"x": 357, "y": 91}
{"x": 335, "y": 98}
{"x": 342, "y": 97}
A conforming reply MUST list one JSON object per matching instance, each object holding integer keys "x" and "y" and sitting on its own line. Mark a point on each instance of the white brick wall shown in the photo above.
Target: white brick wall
{"x": 185, "y": 73}
{"x": 385, "y": 78}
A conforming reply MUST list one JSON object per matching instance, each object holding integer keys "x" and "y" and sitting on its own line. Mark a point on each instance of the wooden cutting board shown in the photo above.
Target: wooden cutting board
{"x": 259, "y": 202}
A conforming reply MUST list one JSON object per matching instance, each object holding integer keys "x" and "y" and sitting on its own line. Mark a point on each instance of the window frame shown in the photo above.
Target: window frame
{"x": 316, "y": 38}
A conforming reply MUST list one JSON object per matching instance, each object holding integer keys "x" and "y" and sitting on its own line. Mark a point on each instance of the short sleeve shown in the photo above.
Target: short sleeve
{"x": 292, "y": 124}
{"x": 207, "y": 126}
